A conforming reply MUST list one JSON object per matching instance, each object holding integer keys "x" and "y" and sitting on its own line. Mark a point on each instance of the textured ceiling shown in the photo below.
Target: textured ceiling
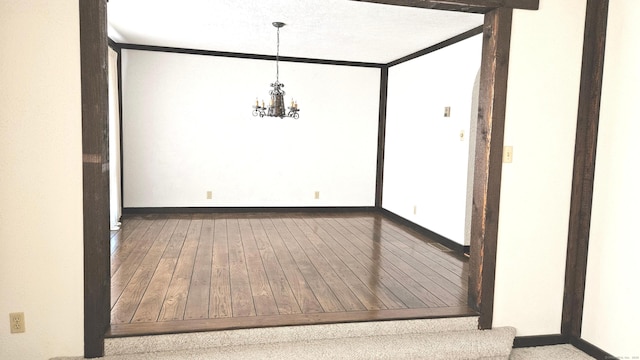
{"x": 319, "y": 29}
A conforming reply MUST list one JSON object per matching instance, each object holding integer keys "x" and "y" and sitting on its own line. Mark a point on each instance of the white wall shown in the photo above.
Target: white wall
{"x": 188, "y": 129}
{"x": 425, "y": 159}
{"x": 40, "y": 179}
{"x": 115, "y": 191}
{"x": 542, "y": 101}
{"x": 611, "y": 315}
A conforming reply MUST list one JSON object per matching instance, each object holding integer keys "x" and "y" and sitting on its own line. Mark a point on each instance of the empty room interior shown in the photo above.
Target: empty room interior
{"x": 356, "y": 209}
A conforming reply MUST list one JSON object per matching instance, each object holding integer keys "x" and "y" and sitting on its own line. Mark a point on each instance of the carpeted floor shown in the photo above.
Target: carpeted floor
{"x": 432, "y": 339}
{"x": 556, "y": 352}
{"x": 559, "y": 352}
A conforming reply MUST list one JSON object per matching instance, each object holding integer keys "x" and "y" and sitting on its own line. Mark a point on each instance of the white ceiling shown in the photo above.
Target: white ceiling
{"x": 319, "y": 29}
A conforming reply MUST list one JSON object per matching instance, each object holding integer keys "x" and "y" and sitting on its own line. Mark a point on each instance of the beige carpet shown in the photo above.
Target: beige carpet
{"x": 556, "y": 352}
{"x": 489, "y": 345}
{"x": 284, "y": 334}
{"x": 559, "y": 352}
{"x": 415, "y": 339}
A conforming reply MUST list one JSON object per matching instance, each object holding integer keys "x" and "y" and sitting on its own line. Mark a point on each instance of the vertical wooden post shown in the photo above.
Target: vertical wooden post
{"x": 382, "y": 125}
{"x": 488, "y": 161}
{"x": 95, "y": 172}
{"x": 584, "y": 165}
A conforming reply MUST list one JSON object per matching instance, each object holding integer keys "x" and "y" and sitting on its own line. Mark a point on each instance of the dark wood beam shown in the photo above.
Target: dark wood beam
{"x": 382, "y": 126}
{"x": 473, "y": 6}
{"x": 584, "y": 165}
{"x": 95, "y": 173}
{"x": 441, "y": 45}
{"x": 174, "y": 50}
{"x": 488, "y": 161}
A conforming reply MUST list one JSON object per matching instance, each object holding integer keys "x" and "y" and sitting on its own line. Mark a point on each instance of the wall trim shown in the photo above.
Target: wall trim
{"x": 112, "y": 44}
{"x": 175, "y": 50}
{"x": 424, "y": 231}
{"x": 559, "y": 339}
{"x": 540, "y": 340}
{"x": 472, "y": 6}
{"x": 443, "y": 44}
{"x": 584, "y": 164}
{"x": 382, "y": 127}
{"x": 455, "y": 39}
{"x": 591, "y": 349}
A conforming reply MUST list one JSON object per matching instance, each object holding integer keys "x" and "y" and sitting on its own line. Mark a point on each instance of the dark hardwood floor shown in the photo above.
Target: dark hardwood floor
{"x": 196, "y": 272}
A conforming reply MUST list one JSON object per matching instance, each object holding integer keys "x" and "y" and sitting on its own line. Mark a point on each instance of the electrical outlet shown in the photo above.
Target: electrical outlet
{"x": 447, "y": 111}
{"x": 317, "y": 195}
{"x": 16, "y": 321}
{"x": 209, "y": 195}
{"x": 415, "y": 209}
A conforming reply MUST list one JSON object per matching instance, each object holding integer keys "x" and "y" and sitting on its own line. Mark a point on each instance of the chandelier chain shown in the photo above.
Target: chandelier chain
{"x": 278, "y": 58}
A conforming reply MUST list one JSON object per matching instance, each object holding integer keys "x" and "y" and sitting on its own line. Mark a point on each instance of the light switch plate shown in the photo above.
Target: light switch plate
{"x": 507, "y": 155}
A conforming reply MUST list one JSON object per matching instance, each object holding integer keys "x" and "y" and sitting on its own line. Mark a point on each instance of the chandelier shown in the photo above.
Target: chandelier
{"x": 276, "y": 105}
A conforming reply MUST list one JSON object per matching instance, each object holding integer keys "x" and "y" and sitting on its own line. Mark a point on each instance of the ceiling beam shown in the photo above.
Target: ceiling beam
{"x": 473, "y": 6}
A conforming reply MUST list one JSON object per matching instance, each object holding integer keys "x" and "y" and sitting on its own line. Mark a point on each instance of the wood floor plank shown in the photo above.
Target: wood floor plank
{"x": 282, "y": 293}
{"x": 177, "y": 239}
{"x": 115, "y": 240}
{"x": 220, "y": 291}
{"x": 263, "y": 298}
{"x": 125, "y": 250}
{"x": 445, "y": 263}
{"x": 335, "y": 240}
{"x": 446, "y": 273}
{"x": 373, "y": 246}
{"x": 176, "y": 298}
{"x": 344, "y": 294}
{"x": 241, "y": 296}
{"x": 390, "y": 264}
{"x": 364, "y": 294}
{"x": 119, "y": 237}
{"x": 197, "y": 306}
{"x": 128, "y": 302}
{"x": 441, "y": 254}
{"x": 317, "y": 284}
{"x": 435, "y": 284}
{"x": 305, "y": 297}
{"x": 120, "y": 279}
{"x": 437, "y": 265}
{"x": 151, "y": 303}
{"x": 373, "y": 259}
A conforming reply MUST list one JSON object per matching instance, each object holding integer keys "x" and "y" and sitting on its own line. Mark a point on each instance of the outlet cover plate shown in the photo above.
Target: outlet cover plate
{"x": 16, "y": 321}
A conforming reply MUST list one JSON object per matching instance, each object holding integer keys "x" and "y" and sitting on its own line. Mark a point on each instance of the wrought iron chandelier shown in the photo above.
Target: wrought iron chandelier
{"x": 276, "y": 105}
